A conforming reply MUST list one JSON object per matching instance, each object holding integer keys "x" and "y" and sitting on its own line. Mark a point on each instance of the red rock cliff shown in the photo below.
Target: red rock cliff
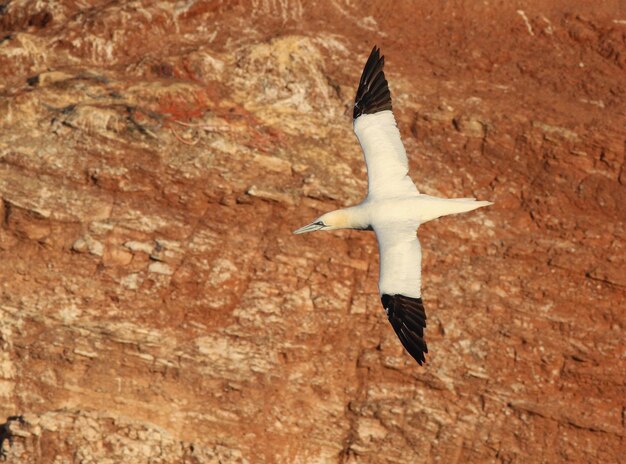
{"x": 155, "y": 157}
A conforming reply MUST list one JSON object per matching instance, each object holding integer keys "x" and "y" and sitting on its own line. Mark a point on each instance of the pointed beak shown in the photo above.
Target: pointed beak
{"x": 309, "y": 228}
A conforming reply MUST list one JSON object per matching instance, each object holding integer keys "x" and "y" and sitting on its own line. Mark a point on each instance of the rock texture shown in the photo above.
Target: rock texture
{"x": 155, "y": 157}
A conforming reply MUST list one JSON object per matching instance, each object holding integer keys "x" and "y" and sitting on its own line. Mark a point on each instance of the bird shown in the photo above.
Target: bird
{"x": 393, "y": 208}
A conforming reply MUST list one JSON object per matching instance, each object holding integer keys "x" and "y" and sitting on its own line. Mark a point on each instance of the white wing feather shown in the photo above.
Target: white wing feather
{"x": 400, "y": 260}
{"x": 385, "y": 157}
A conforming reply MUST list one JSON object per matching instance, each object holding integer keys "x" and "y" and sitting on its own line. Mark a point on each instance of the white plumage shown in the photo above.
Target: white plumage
{"x": 393, "y": 208}
{"x": 400, "y": 260}
{"x": 385, "y": 157}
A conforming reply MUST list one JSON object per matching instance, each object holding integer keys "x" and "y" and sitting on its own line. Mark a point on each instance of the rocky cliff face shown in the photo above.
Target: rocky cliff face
{"x": 155, "y": 157}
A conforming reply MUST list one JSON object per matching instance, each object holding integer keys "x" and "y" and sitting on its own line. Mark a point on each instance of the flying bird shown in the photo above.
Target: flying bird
{"x": 393, "y": 208}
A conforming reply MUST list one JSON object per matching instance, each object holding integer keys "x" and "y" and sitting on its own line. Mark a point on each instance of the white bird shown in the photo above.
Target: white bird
{"x": 393, "y": 208}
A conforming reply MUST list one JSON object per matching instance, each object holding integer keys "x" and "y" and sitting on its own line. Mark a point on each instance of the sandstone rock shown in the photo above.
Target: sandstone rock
{"x": 160, "y": 268}
{"x": 469, "y": 126}
{"x": 116, "y": 256}
{"x": 155, "y": 307}
{"x": 88, "y": 244}
{"x": 273, "y": 164}
{"x": 270, "y": 195}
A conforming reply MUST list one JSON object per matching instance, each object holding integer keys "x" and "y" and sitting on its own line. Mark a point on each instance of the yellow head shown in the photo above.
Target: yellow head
{"x": 330, "y": 221}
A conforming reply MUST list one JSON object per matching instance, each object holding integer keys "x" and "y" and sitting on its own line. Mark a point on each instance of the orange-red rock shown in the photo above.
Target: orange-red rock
{"x": 155, "y": 157}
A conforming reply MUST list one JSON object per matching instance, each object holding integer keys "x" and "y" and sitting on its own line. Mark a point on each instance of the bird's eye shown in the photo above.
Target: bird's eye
{"x": 320, "y": 223}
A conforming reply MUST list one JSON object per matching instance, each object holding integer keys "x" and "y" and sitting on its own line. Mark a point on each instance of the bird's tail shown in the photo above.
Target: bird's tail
{"x": 433, "y": 208}
{"x": 468, "y": 204}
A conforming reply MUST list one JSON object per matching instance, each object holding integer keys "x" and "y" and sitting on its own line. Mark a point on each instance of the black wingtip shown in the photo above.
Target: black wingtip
{"x": 408, "y": 319}
{"x": 373, "y": 93}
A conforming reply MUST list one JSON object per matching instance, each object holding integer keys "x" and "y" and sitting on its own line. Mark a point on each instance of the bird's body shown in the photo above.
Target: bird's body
{"x": 407, "y": 210}
{"x": 393, "y": 208}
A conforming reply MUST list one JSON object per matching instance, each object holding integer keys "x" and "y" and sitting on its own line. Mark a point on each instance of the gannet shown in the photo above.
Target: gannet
{"x": 393, "y": 208}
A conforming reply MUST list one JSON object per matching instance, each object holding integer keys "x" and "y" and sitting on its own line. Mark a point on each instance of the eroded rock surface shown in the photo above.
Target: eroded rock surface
{"x": 154, "y": 306}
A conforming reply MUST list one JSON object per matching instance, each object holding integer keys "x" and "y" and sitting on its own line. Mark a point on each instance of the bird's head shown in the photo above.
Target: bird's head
{"x": 329, "y": 221}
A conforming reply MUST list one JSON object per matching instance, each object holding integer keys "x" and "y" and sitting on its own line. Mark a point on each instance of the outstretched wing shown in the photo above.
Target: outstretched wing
{"x": 408, "y": 319}
{"x": 375, "y": 127}
{"x": 400, "y": 286}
